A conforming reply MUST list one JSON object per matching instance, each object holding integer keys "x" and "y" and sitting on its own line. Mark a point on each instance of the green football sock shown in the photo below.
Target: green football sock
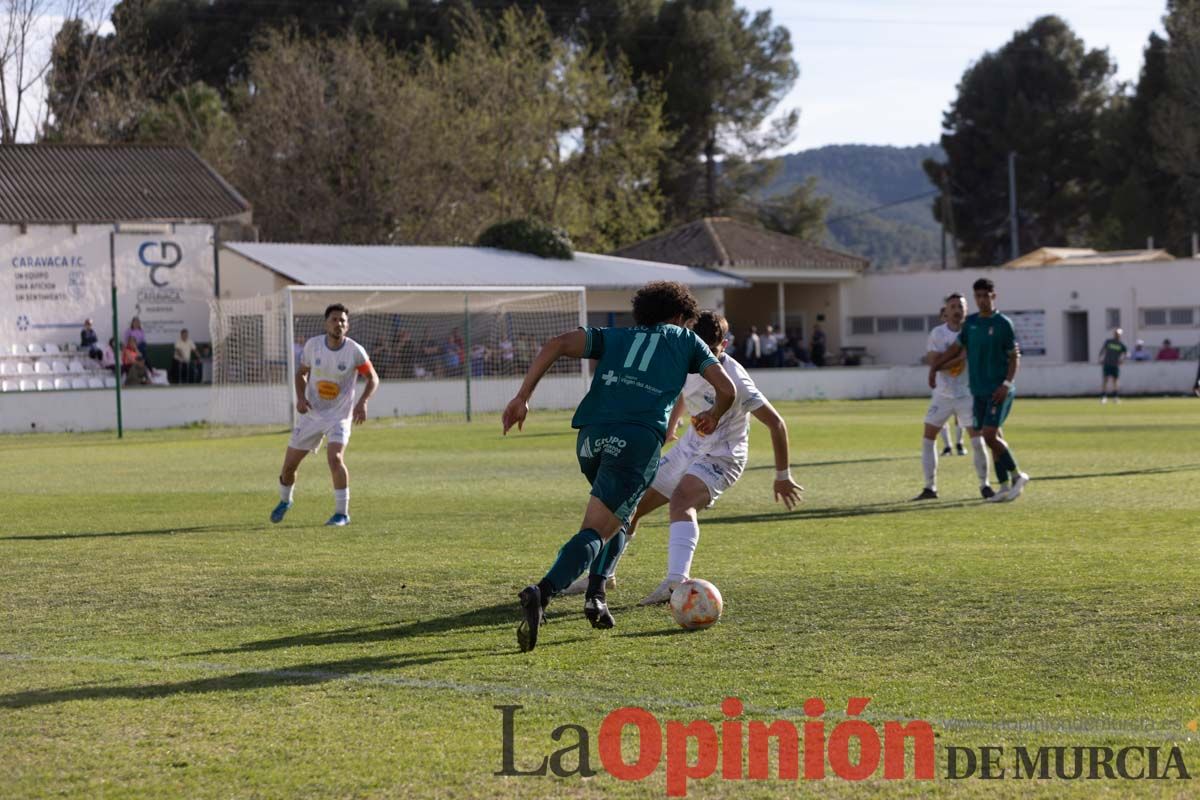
{"x": 1001, "y": 469}
{"x": 1010, "y": 463}
{"x": 606, "y": 563}
{"x": 573, "y": 559}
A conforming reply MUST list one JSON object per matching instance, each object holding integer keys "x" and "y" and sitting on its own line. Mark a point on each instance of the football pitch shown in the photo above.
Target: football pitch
{"x": 162, "y": 639}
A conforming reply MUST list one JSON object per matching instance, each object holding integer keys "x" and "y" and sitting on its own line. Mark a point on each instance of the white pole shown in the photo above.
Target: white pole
{"x": 586, "y": 366}
{"x": 290, "y": 350}
{"x": 1195, "y": 245}
{"x": 782, "y": 307}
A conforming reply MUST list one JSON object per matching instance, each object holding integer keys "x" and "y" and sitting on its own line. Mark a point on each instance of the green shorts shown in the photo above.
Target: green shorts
{"x": 988, "y": 414}
{"x": 1111, "y": 372}
{"x": 620, "y": 461}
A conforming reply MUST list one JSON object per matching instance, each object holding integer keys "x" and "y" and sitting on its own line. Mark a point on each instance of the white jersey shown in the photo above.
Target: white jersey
{"x": 950, "y": 382}
{"x": 732, "y": 436}
{"x": 332, "y": 375}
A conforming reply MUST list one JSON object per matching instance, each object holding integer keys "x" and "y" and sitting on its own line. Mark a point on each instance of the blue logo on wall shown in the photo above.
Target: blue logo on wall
{"x": 22, "y": 323}
{"x": 168, "y": 255}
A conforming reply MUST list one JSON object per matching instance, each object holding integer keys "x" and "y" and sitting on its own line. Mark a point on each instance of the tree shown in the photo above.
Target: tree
{"x": 1040, "y": 96}
{"x": 723, "y": 72}
{"x": 1175, "y": 128}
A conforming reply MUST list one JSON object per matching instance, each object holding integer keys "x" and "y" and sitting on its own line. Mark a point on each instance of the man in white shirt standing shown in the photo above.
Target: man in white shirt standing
{"x": 753, "y": 348}
{"x": 325, "y": 382}
{"x": 951, "y": 396}
{"x": 701, "y": 467}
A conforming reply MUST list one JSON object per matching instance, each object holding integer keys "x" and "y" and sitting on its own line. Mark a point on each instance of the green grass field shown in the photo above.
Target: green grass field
{"x": 161, "y": 639}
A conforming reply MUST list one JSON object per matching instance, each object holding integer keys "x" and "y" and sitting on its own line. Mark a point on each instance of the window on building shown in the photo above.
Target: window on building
{"x": 1154, "y": 317}
{"x": 1112, "y": 318}
{"x": 887, "y": 325}
{"x": 1181, "y": 317}
{"x": 932, "y": 321}
{"x": 912, "y": 324}
{"x": 862, "y": 326}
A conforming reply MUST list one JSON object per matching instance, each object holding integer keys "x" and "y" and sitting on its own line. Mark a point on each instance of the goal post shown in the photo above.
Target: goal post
{"x": 442, "y": 352}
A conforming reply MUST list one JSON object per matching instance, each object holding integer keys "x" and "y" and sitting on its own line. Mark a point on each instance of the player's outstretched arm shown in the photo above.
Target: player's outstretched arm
{"x": 360, "y": 408}
{"x": 571, "y": 344}
{"x": 706, "y": 421}
{"x": 786, "y": 489}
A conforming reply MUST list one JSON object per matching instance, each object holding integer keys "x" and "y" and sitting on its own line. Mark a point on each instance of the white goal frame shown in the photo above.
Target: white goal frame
{"x": 467, "y": 291}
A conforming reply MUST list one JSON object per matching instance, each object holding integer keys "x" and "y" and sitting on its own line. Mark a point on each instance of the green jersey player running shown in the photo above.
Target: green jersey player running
{"x": 993, "y": 356}
{"x": 622, "y": 423}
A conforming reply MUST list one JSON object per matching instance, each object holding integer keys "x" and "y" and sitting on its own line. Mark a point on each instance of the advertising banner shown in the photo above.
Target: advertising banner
{"x": 52, "y": 278}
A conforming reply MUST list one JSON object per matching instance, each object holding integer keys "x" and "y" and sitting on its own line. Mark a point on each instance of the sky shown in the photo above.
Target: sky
{"x": 884, "y": 71}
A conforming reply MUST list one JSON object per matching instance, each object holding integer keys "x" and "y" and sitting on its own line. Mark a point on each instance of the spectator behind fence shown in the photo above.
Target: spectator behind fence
{"x": 139, "y": 336}
{"x": 108, "y": 356}
{"x": 298, "y": 349}
{"x": 88, "y": 340}
{"x": 133, "y": 364}
{"x": 1167, "y": 352}
{"x": 753, "y": 348}
{"x": 1140, "y": 353}
{"x": 818, "y": 345}
{"x": 770, "y": 348}
{"x": 186, "y": 362}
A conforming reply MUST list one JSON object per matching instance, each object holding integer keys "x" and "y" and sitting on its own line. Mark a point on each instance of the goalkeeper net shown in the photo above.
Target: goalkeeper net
{"x": 444, "y": 353}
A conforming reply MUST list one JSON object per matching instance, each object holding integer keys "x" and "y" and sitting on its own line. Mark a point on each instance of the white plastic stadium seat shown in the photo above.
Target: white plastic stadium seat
{"x": 95, "y": 382}
{"x": 52, "y": 348}
{"x": 26, "y": 385}
{"x": 44, "y": 384}
{"x": 24, "y": 368}
{"x": 109, "y": 382}
{"x": 79, "y": 383}
{"x": 58, "y": 367}
{"x": 6, "y": 369}
{"x": 15, "y": 350}
{"x": 41, "y": 368}
{"x": 34, "y": 348}
{"x": 8, "y": 386}
{"x": 62, "y": 383}
{"x": 75, "y": 366}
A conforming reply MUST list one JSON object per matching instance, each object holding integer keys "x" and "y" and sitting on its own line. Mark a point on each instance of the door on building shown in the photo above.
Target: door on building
{"x": 1077, "y": 336}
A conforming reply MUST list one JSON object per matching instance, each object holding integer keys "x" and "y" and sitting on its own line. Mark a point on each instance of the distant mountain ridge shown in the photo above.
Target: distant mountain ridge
{"x": 858, "y": 177}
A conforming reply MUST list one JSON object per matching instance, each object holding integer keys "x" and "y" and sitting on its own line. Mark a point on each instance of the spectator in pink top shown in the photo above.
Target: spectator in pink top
{"x": 135, "y": 332}
{"x": 1167, "y": 352}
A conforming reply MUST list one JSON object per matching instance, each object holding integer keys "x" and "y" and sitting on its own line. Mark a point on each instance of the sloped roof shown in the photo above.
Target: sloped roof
{"x": 42, "y": 183}
{"x": 1079, "y": 256}
{"x": 388, "y": 265}
{"x": 728, "y": 243}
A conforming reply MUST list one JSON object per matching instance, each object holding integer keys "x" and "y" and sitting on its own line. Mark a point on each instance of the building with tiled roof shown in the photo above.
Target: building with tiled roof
{"x": 795, "y": 283}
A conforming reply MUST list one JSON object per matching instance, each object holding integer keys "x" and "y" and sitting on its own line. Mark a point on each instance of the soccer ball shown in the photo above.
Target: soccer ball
{"x": 696, "y": 604}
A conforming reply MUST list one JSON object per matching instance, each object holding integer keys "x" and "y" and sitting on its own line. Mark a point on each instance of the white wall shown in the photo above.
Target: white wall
{"x": 161, "y": 407}
{"x": 1056, "y": 290}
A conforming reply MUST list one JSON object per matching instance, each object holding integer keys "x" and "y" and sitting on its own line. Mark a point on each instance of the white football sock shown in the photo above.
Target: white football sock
{"x": 945, "y": 433}
{"x": 979, "y": 452}
{"x": 341, "y": 501}
{"x": 286, "y": 492}
{"x": 960, "y": 430}
{"x": 929, "y": 460}
{"x": 680, "y": 548}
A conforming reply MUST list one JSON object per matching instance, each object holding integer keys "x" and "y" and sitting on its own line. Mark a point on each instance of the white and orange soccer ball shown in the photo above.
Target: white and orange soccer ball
{"x": 696, "y": 604}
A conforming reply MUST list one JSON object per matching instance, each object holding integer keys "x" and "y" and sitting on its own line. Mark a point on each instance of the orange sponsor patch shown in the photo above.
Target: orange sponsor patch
{"x": 327, "y": 390}
{"x": 957, "y": 369}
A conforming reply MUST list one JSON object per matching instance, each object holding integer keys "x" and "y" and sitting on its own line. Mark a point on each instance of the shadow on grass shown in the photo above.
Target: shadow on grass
{"x": 835, "y": 512}
{"x": 1123, "y": 473}
{"x": 489, "y": 616}
{"x": 837, "y": 463}
{"x": 664, "y": 632}
{"x": 41, "y": 537}
{"x": 361, "y": 669}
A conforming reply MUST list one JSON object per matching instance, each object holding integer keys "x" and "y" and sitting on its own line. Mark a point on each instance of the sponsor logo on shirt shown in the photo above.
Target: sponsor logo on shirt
{"x": 327, "y": 390}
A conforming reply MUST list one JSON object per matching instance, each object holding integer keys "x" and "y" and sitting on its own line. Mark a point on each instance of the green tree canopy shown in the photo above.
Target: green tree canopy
{"x": 1041, "y": 96}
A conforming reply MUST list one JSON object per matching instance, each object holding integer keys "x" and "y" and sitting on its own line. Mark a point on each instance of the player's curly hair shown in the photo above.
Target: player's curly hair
{"x": 660, "y": 301}
{"x": 711, "y": 327}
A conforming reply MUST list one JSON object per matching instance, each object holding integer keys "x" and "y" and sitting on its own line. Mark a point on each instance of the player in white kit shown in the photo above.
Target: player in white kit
{"x": 325, "y": 381}
{"x": 694, "y": 473}
{"x": 951, "y": 397}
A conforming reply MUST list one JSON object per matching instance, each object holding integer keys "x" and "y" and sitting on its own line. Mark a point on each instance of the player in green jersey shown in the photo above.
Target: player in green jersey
{"x": 622, "y": 423}
{"x": 1112, "y": 355}
{"x": 993, "y": 356}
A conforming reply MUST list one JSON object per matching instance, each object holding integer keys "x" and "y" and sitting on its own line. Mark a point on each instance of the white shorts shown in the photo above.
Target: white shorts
{"x": 311, "y": 427}
{"x": 718, "y": 473}
{"x": 942, "y": 407}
